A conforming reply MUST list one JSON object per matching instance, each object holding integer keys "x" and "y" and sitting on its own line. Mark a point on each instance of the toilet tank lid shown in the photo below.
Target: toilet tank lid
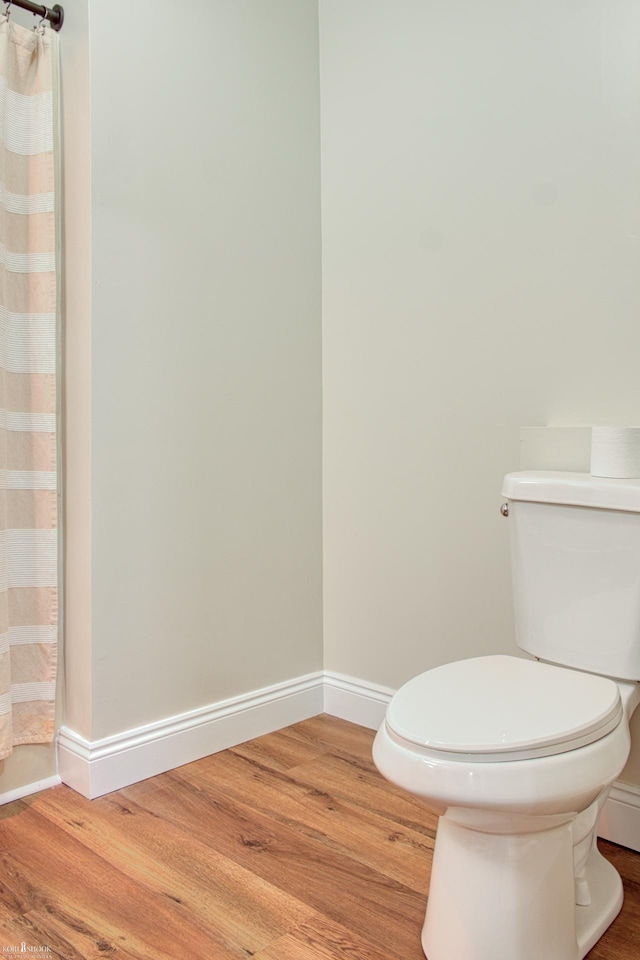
{"x": 574, "y": 489}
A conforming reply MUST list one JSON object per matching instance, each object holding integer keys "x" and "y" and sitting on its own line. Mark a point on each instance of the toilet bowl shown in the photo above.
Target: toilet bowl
{"x": 516, "y": 872}
{"x": 518, "y": 755}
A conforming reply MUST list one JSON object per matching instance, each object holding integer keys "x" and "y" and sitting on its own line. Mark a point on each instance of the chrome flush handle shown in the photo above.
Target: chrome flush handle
{"x": 504, "y": 509}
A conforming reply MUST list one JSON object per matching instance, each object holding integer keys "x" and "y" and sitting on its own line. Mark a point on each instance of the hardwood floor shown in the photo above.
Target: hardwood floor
{"x": 290, "y": 847}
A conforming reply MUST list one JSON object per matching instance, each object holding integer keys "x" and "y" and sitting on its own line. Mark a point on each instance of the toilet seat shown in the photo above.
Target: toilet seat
{"x": 500, "y": 708}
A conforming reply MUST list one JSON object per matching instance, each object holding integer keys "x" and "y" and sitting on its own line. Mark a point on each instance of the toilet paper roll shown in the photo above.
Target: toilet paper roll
{"x": 615, "y": 452}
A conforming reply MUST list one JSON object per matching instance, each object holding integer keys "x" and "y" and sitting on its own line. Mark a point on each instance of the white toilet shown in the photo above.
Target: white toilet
{"x": 518, "y": 755}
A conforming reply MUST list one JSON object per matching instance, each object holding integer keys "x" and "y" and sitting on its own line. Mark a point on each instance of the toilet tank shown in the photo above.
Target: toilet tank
{"x": 575, "y": 559}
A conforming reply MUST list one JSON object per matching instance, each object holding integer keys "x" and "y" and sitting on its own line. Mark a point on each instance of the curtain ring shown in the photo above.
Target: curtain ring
{"x": 39, "y": 27}
{"x": 7, "y": 9}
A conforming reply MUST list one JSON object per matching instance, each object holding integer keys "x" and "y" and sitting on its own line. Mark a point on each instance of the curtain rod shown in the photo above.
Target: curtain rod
{"x": 55, "y": 15}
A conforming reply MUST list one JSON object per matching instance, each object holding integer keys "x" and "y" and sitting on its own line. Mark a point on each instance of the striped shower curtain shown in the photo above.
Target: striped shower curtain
{"x": 28, "y": 404}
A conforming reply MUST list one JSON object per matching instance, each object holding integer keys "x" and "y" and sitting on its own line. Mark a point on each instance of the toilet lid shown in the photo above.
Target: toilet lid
{"x": 504, "y": 708}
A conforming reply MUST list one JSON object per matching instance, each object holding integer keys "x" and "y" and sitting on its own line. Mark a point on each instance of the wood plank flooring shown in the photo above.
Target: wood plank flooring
{"x": 290, "y": 847}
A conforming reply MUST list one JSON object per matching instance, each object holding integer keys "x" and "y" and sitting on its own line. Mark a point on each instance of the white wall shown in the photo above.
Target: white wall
{"x": 206, "y": 378}
{"x": 192, "y": 408}
{"x": 76, "y": 153}
{"x": 481, "y": 215}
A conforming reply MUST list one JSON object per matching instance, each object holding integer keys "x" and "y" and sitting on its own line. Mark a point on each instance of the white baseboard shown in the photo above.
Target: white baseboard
{"x": 620, "y": 819}
{"x": 101, "y": 766}
{"x": 356, "y": 700}
{"x": 94, "y": 768}
{"x": 28, "y": 789}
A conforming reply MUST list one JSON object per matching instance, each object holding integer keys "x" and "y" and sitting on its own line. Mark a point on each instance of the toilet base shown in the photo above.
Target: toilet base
{"x": 606, "y": 900}
{"x": 505, "y": 888}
